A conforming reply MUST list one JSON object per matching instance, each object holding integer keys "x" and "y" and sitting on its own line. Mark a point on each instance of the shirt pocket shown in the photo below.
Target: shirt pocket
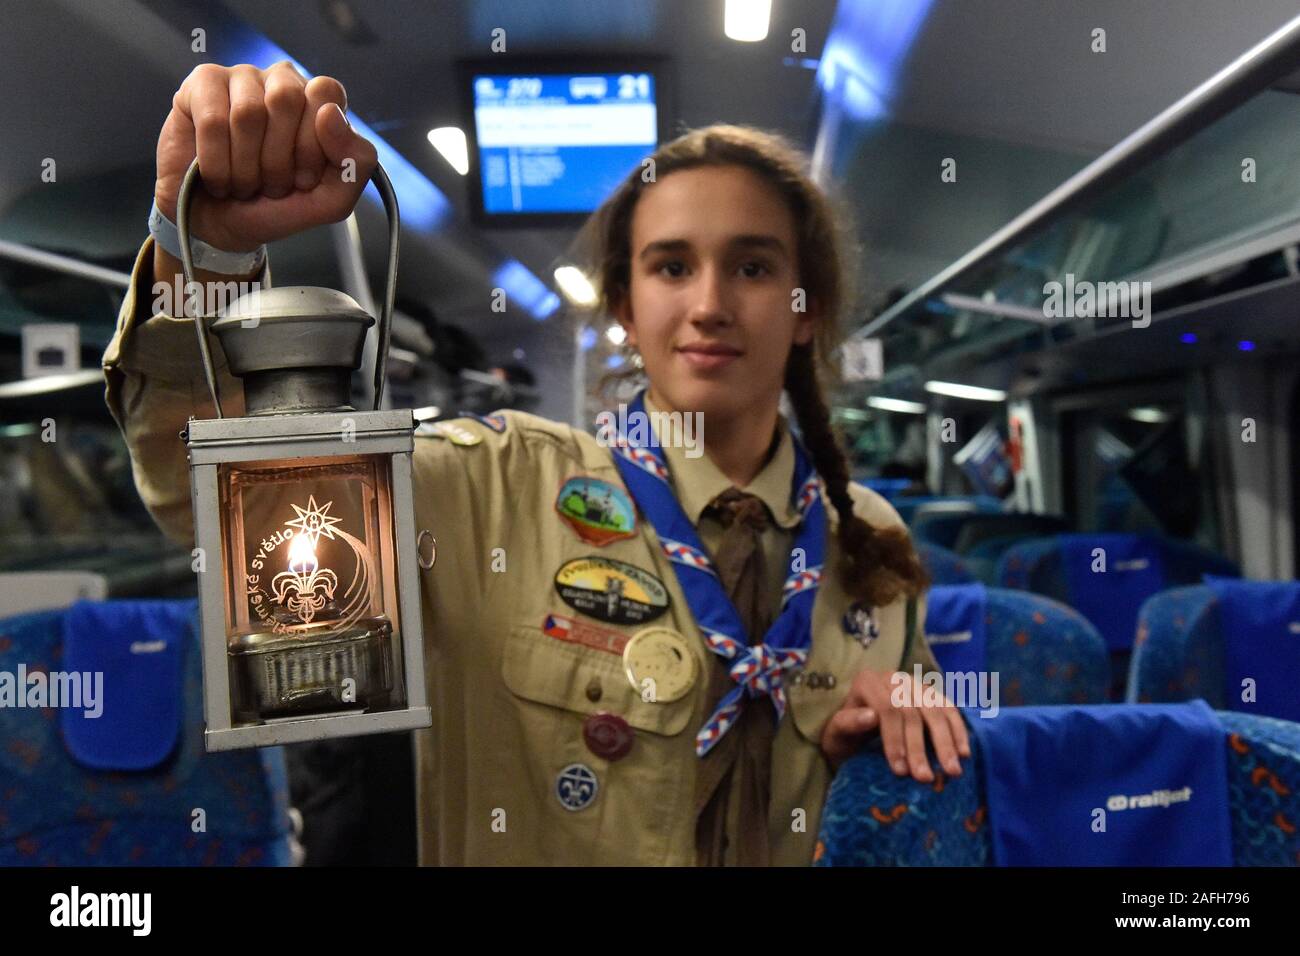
{"x": 547, "y": 670}
{"x": 639, "y": 799}
{"x": 822, "y": 686}
{"x": 837, "y": 658}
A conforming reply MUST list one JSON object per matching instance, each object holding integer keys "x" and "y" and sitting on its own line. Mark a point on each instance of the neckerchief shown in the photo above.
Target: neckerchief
{"x": 757, "y": 669}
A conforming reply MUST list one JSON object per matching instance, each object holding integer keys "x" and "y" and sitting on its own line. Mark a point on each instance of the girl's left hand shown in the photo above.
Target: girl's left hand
{"x": 870, "y": 706}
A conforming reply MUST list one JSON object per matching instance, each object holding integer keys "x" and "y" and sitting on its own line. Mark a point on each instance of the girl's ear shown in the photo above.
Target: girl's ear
{"x": 623, "y": 313}
{"x": 805, "y": 326}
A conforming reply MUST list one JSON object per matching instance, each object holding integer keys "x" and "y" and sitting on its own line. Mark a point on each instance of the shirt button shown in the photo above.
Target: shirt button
{"x": 593, "y": 690}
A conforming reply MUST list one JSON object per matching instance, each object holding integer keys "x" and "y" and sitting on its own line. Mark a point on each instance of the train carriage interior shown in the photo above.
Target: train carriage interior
{"x": 1072, "y": 369}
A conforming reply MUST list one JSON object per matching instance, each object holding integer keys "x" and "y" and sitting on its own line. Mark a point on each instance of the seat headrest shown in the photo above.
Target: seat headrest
{"x": 126, "y": 657}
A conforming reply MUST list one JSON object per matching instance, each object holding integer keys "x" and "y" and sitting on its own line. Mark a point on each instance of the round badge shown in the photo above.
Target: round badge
{"x": 660, "y": 665}
{"x": 576, "y": 786}
{"x": 608, "y": 736}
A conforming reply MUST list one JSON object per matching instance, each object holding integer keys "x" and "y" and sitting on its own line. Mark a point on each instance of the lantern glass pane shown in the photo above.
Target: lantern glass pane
{"x": 312, "y": 618}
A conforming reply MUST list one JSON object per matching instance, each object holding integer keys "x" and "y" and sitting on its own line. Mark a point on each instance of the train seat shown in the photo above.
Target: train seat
{"x": 121, "y": 789}
{"x": 945, "y": 567}
{"x": 909, "y": 508}
{"x": 888, "y": 488}
{"x": 1042, "y": 651}
{"x": 1205, "y": 640}
{"x": 874, "y": 818}
{"x": 961, "y": 531}
{"x": 1011, "y": 525}
{"x": 983, "y": 559}
{"x": 1137, "y": 566}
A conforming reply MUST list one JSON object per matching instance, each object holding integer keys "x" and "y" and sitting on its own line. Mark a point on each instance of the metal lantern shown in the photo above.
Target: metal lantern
{"x": 310, "y": 604}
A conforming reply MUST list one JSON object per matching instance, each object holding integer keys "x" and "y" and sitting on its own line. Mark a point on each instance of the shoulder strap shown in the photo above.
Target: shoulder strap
{"x": 911, "y": 629}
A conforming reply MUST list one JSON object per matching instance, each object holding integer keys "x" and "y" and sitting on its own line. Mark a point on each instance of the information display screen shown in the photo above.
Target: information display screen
{"x": 559, "y": 143}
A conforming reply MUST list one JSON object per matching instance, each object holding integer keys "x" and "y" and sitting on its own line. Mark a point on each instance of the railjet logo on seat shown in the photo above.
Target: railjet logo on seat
{"x": 1156, "y": 798}
{"x": 653, "y": 429}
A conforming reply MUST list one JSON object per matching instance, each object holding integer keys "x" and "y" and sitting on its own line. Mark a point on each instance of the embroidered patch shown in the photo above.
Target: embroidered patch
{"x": 496, "y": 421}
{"x": 610, "y": 590}
{"x": 598, "y": 511}
{"x": 588, "y": 635}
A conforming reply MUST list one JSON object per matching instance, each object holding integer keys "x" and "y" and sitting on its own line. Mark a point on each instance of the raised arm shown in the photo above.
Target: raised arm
{"x": 273, "y": 148}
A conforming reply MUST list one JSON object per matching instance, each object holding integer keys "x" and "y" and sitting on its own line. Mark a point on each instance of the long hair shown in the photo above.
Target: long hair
{"x": 879, "y": 564}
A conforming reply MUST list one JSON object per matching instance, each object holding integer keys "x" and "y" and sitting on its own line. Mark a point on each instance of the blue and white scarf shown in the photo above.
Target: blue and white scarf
{"x": 757, "y": 669}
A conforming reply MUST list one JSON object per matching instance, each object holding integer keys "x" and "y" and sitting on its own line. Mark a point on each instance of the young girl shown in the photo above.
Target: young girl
{"x": 636, "y": 654}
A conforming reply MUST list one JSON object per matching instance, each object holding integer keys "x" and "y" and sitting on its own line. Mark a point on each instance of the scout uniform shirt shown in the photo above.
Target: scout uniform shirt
{"x": 524, "y": 623}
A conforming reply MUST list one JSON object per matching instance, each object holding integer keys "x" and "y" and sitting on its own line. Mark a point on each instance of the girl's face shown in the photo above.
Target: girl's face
{"x": 711, "y": 304}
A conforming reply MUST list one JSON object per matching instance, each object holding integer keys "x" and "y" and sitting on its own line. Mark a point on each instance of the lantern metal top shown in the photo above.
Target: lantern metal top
{"x": 294, "y": 347}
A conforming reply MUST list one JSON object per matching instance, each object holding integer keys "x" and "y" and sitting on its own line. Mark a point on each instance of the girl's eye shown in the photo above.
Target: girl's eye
{"x": 675, "y": 269}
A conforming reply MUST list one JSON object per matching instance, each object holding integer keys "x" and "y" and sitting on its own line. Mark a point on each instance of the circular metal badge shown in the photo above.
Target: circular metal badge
{"x": 659, "y": 663}
{"x": 576, "y": 787}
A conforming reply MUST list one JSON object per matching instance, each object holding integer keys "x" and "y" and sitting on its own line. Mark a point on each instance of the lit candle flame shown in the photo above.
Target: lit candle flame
{"x": 302, "y": 556}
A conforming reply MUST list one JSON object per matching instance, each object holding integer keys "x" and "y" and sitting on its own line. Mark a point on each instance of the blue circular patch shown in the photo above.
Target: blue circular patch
{"x": 576, "y": 787}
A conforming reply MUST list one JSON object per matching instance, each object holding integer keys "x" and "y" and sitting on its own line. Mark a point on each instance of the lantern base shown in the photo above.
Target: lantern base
{"x": 316, "y": 728}
{"x": 312, "y": 669}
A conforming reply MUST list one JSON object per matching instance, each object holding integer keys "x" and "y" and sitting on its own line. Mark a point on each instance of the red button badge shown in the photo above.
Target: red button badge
{"x": 607, "y": 735}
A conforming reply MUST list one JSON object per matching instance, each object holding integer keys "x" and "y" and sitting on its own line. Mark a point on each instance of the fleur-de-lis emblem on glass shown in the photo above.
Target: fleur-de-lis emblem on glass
{"x": 307, "y": 587}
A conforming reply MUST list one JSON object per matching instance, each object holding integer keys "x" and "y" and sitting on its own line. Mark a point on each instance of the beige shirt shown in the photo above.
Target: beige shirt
{"x": 508, "y": 701}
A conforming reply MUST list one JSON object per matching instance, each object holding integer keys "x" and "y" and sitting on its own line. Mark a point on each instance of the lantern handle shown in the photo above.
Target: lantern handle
{"x": 389, "y": 197}
{"x": 385, "y": 187}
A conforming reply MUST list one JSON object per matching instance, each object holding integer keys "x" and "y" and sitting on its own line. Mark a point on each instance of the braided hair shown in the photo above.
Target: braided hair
{"x": 879, "y": 564}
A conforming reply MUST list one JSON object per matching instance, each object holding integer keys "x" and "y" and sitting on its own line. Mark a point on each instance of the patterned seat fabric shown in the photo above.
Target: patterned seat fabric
{"x": 1038, "y": 565}
{"x": 944, "y": 566}
{"x": 1178, "y": 651}
{"x": 874, "y": 818}
{"x": 983, "y": 558}
{"x": 54, "y": 811}
{"x": 1043, "y": 651}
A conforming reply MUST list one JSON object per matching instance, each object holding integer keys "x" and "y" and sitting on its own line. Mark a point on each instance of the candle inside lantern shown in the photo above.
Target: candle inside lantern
{"x": 302, "y": 555}
{"x": 306, "y": 589}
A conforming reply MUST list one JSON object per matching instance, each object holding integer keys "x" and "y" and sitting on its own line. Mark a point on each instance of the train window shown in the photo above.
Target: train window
{"x": 884, "y": 444}
{"x": 1132, "y": 467}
